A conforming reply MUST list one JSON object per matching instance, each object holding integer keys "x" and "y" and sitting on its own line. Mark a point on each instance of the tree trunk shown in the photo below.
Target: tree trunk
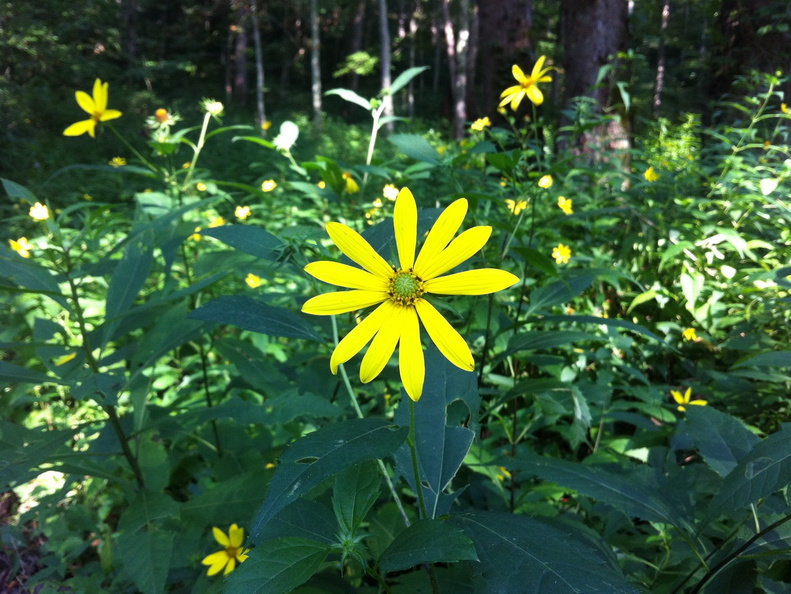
{"x": 660, "y": 58}
{"x": 386, "y": 62}
{"x": 357, "y": 40}
{"x": 259, "y": 70}
{"x": 129, "y": 39}
{"x": 412, "y": 49}
{"x": 315, "y": 64}
{"x": 240, "y": 85}
{"x": 457, "y": 43}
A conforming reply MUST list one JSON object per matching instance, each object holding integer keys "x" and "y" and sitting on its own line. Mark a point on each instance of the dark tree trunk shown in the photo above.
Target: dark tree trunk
{"x": 659, "y": 83}
{"x": 357, "y": 40}
{"x": 129, "y": 39}
{"x": 240, "y": 82}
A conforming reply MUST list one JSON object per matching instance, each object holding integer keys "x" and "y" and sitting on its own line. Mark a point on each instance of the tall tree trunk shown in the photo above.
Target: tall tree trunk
{"x": 457, "y": 43}
{"x": 240, "y": 85}
{"x": 412, "y": 45}
{"x": 129, "y": 38}
{"x": 386, "y": 62}
{"x": 259, "y": 70}
{"x": 315, "y": 64}
{"x": 357, "y": 40}
{"x": 660, "y": 58}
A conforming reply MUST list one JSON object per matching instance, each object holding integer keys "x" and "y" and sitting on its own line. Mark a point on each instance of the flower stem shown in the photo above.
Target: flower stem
{"x": 411, "y": 441}
{"x": 197, "y": 150}
{"x": 137, "y": 154}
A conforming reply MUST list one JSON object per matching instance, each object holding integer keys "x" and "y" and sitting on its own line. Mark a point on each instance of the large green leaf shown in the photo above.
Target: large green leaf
{"x": 404, "y": 78}
{"x": 32, "y": 278}
{"x": 609, "y": 323}
{"x": 351, "y": 97}
{"x": 304, "y": 518}
{"x": 524, "y": 554}
{"x": 23, "y": 451}
{"x": 561, "y": 291}
{"x": 427, "y": 541}
{"x": 354, "y": 493}
{"x": 722, "y": 440}
{"x": 14, "y": 374}
{"x": 16, "y": 191}
{"x": 768, "y": 359}
{"x": 278, "y": 566}
{"x": 416, "y": 147}
{"x": 536, "y": 340}
{"x": 322, "y": 454}
{"x": 248, "y": 239}
{"x": 250, "y": 314}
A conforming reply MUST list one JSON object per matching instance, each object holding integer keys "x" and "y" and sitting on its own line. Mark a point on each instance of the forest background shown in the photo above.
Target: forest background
{"x": 626, "y": 426}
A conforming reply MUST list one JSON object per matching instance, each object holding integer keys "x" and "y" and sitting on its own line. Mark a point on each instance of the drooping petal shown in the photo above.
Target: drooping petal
{"x": 411, "y": 362}
{"x": 699, "y": 402}
{"x": 536, "y": 73}
{"x": 518, "y": 74}
{"x": 508, "y": 94}
{"x": 217, "y": 561}
{"x": 85, "y": 101}
{"x": 100, "y": 95}
{"x": 535, "y": 95}
{"x": 358, "y": 250}
{"x": 342, "y": 302}
{"x": 231, "y": 565}
{"x": 110, "y": 114}
{"x": 448, "y": 341}
{"x": 382, "y": 346}
{"x": 82, "y": 127}
{"x": 441, "y": 233}
{"x": 517, "y": 99}
{"x": 460, "y": 249}
{"x": 236, "y": 536}
{"x": 481, "y": 281}
{"x": 347, "y": 276}
{"x": 220, "y": 537}
{"x": 359, "y": 336}
{"x": 242, "y": 556}
{"x": 405, "y": 225}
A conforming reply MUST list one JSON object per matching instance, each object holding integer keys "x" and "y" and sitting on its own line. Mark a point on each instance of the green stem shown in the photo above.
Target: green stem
{"x": 375, "y": 114}
{"x": 197, "y": 150}
{"x": 131, "y": 148}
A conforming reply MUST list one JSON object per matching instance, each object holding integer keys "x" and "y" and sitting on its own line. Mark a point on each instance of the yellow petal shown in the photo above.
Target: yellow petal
{"x": 360, "y": 335}
{"x": 508, "y": 94}
{"x": 217, "y": 561}
{"x": 440, "y": 234}
{"x": 110, "y": 114}
{"x": 82, "y": 127}
{"x": 85, "y": 102}
{"x": 405, "y": 225}
{"x": 342, "y": 302}
{"x": 517, "y": 99}
{"x": 518, "y": 74}
{"x": 536, "y": 74}
{"x": 100, "y": 95}
{"x": 347, "y": 276}
{"x": 220, "y": 537}
{"x": 243, "y": 556}
{"x": 534, "y": 94}
{"x": 382, "y": 346}
{"x": 411, "y": 362}
{"x": 677, "y": 396}
{"x": 459, "y": 250}
{"x": 236, "y": 536}
{"x": 358, "y": 250}
{"x": 699, "y": 402}
{"x": 231, "y": 565}
{"x": 472, "y": 282}
{"x": 448, "y": 341}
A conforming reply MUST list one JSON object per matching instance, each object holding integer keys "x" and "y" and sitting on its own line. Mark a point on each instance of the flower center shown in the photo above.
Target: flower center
{"x": 405, "y": 287}
{"x": 232, "y": 552}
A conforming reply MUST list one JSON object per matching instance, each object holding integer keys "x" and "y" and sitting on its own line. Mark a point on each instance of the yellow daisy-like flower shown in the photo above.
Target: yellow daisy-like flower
{"x": 650, "y": 175}
{"x": 118, "y": 162}
{"x": 21, "y": 246}
{"x": 242, "y": 212}
{"x": 268, "y": 185}
{"x": 528, "y": 85}
{"x": 546, "y": 182}
{"x": 390, "y": 192}
{"x": 481, "y": 123}
{"x": 39, "y": 212}
{"x": 253, "y": 280}
{"x": 565, "y": 205}
{"x": 96, "y": 106}
{"x": 685, "y": 399}
{"x": 514, "y": 206}
{"x": 562, "y": 254}
{"x": 231, "y": 554}
{"x": 352, "y": 187}
{"x": 689, "y": 334}
{"x": 398, "y": 291}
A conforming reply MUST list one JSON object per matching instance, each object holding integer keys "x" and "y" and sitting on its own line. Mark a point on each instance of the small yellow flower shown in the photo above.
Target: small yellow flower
{"x": 232, "y": 552}
{"x": 689, "y": 334}
{"x": 242, "y": 212}
{"x": 266, "y": 125}
{"x": 268, "y": 185}
{"x": 546, "y": 182}
{"x": 253, "y": 281}
{"x": 685, "y": 399}
{"x": 322, "y": 184}
{"x": 64, "y": 359}
{"x": 503, "y": 474}
{"x": 21, "y": 246}
{"x": 118, "y": 162}
{"x": 562, "y": 253}
{"x": 650, "y": 175}
{"x": 39, "y": 212}
{"x": 502, "y": 110}
{"x": 481, "y": 123}
{"x": 565, "y": 205}
{"x": 161, "y": 115}
{"x": 196, "y": 236}
{"x": 87, "y": 197}
{"x": 390, "y": 192}
{"x": 186, "y": 165}
{"x": 378, "y": 203}
{"x": 351, "y": 185}
{"x": 96, "y": 106}
{"x": 784, "y": 108}
{"x": 528, "y": 85}
{"x": 514, "y": 206}
{"x": 217, "y": 222}
{"x": 201, "y": 186}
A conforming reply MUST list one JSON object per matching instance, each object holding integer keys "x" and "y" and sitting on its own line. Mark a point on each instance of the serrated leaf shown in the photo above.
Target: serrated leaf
{"x": 427, "y": 541}
{"x": 323, "y": 453}
{"x": 722, "y": 440}
{"x": 146, "y": 558}
{"x": 353, "y": 494}
{"x": 303, "y": 519}
{"x": 248, "y": 239}
{"x": 250, "y": 314}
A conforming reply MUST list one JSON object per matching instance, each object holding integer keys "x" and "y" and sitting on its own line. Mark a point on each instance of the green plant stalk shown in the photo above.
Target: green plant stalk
{"x": 375, "y": 114}
{"x": 197, "y": 149}
{"x": 137, "y": 154}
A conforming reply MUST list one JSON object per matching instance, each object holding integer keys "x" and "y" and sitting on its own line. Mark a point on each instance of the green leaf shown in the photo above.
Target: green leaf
{"x": 558, "y": 292}
{"x": 33, "y": 278}
{"x": 427, "y": 541}
{"x": 351, "y": 97}
{"x": 278, "y": 566}
{"x": 673, "y": 251}
{"x": 540, "y": 340}
{"x": 416, "y": 147}
{"x": 610, "y": 323}
{"x": 13, "y": 374}
{"x": 171, "y": 330}
{"x": 16, "y": 191}
{"x": 255, "y": 140}
{"x": 248, "y": 239}
{"x": 323, "y": 453}
{"x": 523, "y": 554}
{"x": 304, "y": 519}
{"x": 354, "y": 493}
{"x": 722, "y": 440}
{"x": 250, "y": 314}
{"x": 23, "y": 451}
{"x": 768, "y": 359}
{"x": 403, "y": 79}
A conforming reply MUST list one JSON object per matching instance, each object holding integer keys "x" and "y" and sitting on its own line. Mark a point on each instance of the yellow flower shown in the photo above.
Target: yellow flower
{"x": 784, "y": 108}
{"x": 378, "y": 203}
{"x": 266, "y": 125}
{"x": 515, "y": 207}
{"x": 562, "y": 253}
{"x": 21, "y": 246}
{"x": 650, "y": 175}
{"x": 118, "y": 162}
{"x": 96, "y": 106}
{"x": 186, "y": 165}
{"x": 253, "y": 281}
{"x": 502, "y": 110}
{"x": 689, "y": 334}
{"x": 546, "y": 182}
{"x": 231, "y": 554}
{"x": 390, "y": 192}
{"x": 685, "y": 399}
{"x": 398, "y": 291}
{"x": 217, "y": 222}
{"x": 322, "y": 184}
{"x": 565, "y": 205}
{"x": 268, "y": 185}
{"x": 242, "y": 212}
{"x": 481, "y": 123}
{"x": 161, "y": 115}
{"x": 87, "y": 197}
{"x": 39, "y": 212}
{"x": 351, "y": 185}
{"x": 201, "y": 186}
{"x": 196, "y": 236}
{"x": 528, "y": 85}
